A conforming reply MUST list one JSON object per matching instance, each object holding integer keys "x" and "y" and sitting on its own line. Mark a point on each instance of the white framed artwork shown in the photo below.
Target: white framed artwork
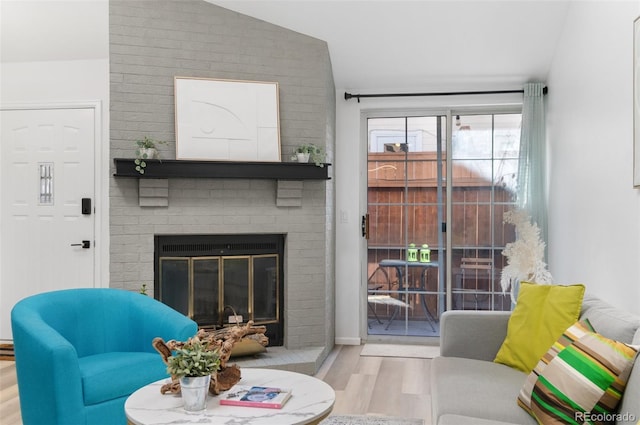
{"x": 227, "y": 120}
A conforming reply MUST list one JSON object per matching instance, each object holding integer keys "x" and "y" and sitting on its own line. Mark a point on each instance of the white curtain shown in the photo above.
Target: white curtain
{"x": 531, "y": 169}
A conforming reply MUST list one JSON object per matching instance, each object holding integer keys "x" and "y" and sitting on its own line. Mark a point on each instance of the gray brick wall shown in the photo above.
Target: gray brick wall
{"x": 153, "y": 41}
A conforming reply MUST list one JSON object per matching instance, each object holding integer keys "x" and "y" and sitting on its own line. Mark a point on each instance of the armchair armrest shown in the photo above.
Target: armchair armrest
{"x": 48, "y": 371}
{"x": 473, "y": 334}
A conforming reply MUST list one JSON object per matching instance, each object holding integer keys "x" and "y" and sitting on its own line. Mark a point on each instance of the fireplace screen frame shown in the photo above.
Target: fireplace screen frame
{"x": 225, "y": 308}
{"x": 192, "y": 249}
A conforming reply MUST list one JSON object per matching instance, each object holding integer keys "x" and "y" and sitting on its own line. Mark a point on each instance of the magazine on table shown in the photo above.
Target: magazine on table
{"x": 255, "y": 396}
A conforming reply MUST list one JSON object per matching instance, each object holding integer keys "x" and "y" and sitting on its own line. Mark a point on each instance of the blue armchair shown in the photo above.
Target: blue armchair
{"x": 81, "y": 352}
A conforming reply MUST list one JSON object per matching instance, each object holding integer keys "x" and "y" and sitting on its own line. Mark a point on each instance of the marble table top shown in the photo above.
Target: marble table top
{"x": 311, "y": 400}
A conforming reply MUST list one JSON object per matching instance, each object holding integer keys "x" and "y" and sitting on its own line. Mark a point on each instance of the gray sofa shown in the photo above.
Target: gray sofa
{"x": 468, "y": 388}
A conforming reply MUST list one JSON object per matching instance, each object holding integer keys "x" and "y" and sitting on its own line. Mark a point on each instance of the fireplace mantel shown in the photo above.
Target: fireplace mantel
{"x": 154, "y": 183}
{"x": 168, "y": 168}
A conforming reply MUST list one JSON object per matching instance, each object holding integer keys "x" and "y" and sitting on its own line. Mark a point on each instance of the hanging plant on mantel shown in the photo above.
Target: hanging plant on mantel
{"x": 525, "y": 256}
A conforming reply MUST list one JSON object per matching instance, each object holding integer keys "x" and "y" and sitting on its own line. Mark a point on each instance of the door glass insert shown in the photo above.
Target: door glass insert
{"x": 45, "y": 172}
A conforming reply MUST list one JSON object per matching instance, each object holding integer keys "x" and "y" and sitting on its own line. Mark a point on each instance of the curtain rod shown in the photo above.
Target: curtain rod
{"x": 348, "y": 96}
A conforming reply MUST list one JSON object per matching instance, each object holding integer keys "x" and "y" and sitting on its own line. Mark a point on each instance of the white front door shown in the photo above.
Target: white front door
{"x": 46, "y": 229}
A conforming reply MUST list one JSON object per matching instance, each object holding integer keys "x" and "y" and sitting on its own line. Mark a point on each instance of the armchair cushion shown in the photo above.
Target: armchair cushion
{"x": 108, "y": 376}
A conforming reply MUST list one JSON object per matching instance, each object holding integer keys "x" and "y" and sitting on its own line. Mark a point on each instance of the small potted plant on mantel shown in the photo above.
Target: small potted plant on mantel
{"x": 193, "y": 364}
{"x": 147, "y": 149}
{"x": 309, "y": 152}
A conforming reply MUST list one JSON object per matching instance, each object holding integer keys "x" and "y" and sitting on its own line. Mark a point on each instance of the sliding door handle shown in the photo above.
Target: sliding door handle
{"x": 365, "y": 226}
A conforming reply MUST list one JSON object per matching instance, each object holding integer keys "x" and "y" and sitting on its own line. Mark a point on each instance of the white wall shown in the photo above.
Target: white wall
{"x": 57, "y": 52}
{"x": 54, "y": 50}
{"x": 594, "y": 211}
{"x": 55, "y": 81}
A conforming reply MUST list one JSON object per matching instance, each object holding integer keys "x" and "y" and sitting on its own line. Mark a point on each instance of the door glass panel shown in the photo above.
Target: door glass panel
{"x": 485, "y": 150}
{"x": 405, "y": 207}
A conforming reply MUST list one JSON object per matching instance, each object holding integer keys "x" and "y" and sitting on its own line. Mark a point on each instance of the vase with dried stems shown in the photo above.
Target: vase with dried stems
{"x": 525, "y": 256}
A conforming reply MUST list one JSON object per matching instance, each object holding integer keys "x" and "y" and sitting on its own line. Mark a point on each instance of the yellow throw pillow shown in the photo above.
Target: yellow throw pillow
{"x": 541, "y": 315}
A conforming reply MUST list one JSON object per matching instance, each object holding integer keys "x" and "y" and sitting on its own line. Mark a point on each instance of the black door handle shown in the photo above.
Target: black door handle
{"x": 84, "y": 244}
{"x": 365, "y": 226}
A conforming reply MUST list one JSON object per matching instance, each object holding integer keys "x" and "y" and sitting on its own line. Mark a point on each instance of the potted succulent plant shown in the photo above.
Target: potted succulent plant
{"x": 193, "y": 364}
{"x": 309, "y": 152}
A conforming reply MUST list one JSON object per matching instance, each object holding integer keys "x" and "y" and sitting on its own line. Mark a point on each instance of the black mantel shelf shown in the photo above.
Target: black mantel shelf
{"x": 167, "y": 168}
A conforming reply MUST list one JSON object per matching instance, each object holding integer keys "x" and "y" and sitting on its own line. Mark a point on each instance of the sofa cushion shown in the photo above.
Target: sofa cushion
{"x": 476, "y": 389}
{"x": 609, "y": 321}
{"x": 541, "y": 314}
{"x": 112, "y": 375}
{"x": 573, "y": 333}
{"x": 467, "y": 420}
{"x": 630, "y": 403}
{"x": 582, "y": 372}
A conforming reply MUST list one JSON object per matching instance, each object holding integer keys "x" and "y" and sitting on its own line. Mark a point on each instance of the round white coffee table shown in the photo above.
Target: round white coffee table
{"x": 310, "y": 402}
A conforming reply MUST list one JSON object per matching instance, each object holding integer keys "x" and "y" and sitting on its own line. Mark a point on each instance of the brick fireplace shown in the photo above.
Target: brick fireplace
{"x": 150, "y": 44}
{"x": 235, "y": 207}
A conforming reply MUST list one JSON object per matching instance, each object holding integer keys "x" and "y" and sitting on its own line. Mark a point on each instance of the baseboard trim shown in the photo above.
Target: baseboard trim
{"x": 348, "y": 341}
{"x": 6, "y": 352}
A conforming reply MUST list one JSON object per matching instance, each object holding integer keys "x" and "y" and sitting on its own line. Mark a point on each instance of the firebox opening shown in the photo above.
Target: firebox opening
{"x": 212, "y": 278}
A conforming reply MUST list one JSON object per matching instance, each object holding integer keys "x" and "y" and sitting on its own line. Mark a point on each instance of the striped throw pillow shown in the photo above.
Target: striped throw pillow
{"x": 580, "y": 379}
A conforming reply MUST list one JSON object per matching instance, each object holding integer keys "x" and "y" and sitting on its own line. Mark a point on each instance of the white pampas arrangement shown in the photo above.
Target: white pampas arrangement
{"x": 525, "y": 256}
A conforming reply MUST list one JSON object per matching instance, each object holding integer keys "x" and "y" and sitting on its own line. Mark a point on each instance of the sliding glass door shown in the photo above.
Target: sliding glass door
{"x": 405, "y": 211}
{"x": 435, "y": 243}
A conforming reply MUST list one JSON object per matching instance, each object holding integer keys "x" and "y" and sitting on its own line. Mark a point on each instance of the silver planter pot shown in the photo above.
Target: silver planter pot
{"x": 194, "y": 392}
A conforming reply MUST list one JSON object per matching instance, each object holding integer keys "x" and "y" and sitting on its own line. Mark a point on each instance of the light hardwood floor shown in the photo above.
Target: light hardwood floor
{"x": 9, "y": 403}
{"x": 379, "y": 386}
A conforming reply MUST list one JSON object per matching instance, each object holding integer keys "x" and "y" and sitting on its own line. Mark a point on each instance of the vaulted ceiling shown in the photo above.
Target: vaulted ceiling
{"x": 422, "y": 44}
{"x": 375, "y": 45}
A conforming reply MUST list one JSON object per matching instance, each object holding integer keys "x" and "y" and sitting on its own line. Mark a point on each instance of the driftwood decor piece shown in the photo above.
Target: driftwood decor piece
{"x": 221, "y": 340}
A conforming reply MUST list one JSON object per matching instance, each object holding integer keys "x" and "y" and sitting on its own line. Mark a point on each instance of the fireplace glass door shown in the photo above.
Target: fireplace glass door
{"x": 211, "y": 289}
